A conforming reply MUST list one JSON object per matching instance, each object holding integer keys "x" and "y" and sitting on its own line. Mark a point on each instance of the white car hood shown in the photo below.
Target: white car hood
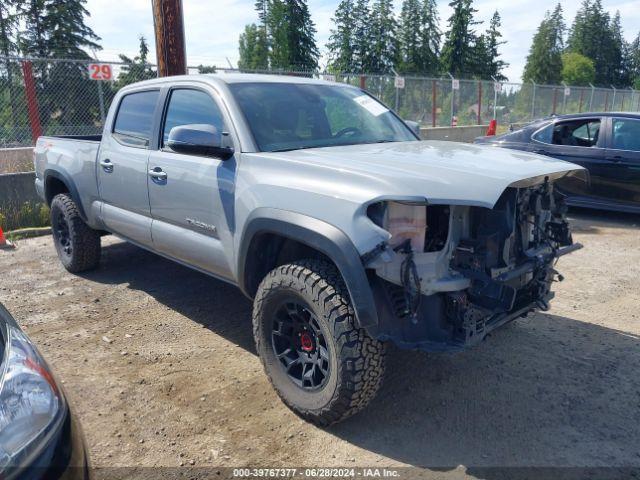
{"x": 442, "y": 172}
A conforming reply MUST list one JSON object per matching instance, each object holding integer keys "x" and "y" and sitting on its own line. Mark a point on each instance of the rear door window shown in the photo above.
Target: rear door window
{"x": 576, "y": 133}
{"x": 134, "y": 119}
{"x": 626, "y": 134}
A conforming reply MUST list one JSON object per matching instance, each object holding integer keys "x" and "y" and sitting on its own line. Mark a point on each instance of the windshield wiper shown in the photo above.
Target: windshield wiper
{"x": 303, "y": 147}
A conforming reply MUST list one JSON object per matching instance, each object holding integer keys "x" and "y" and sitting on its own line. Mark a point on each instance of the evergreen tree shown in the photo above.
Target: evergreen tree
{"x": 597, "y": 36}
{"x": 137, "y": 68}
{"x": 33, "y": 38}
{"x": 362, "y": 36}
{"x": 341, "y": 45}
{"x": 301, "y": 33}
{"x": 384, "y": 45}
{"x": 254, "y": 53}
{"x": 544, "y": 62}
{"x": 288, "y": 33}
{"x": 459, "y": 46}
{"x": 430, "y": 38}
{"x": 8, "y": 46}
{"x": 634, "y": 63}
{"x": 8, "y": 27}
{"x": 419, "y": 36}
{"x": 409, "y": 33}
{"x": 494, "y": 65}
{"x": 619, "y": 54}
{"x": 206, "y": 69}
{"x": 67, "y": 34}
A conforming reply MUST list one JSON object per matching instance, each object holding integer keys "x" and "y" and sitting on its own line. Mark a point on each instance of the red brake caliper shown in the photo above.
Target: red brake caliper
{"x": 306, "y": 343}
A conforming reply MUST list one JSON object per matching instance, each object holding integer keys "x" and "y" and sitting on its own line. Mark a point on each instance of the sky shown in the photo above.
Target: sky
{"x": 212, "y": 27}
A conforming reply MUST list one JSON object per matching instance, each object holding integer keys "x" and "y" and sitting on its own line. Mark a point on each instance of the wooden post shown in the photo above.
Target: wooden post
{"x": 170, "y": 45}
{"x": 32, "y": 100}
{"x": 363, "y": 82}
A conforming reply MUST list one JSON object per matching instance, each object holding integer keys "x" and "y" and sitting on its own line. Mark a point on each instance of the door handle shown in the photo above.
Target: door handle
{"x": 106, "y": 165}
{"x": 158, "y": 174}
{"x": 616, "y": 158}
{"x": 540, "y": 152}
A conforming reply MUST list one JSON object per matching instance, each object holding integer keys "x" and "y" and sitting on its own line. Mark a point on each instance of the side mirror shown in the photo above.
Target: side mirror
{"x": 199, "y": 139}
{"x": 414, "y": 126}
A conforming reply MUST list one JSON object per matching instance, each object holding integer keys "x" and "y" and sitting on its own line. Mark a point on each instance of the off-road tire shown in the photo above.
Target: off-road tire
{"x": 357, "y": 367}
{"x": 82, "y": 249}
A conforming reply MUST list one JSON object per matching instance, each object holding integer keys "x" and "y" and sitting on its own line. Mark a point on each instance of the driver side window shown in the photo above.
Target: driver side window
{"x": 188, "y": 107}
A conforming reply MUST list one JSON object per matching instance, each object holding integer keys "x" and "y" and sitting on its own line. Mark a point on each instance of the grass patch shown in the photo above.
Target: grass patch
{"x": 26, "y": 215}
{"x": 14, "y": 164}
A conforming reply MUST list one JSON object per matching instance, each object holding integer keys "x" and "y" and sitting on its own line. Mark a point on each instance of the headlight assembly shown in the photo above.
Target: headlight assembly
{"x": 32, "y": 407}
{"x": 403, "y": 220}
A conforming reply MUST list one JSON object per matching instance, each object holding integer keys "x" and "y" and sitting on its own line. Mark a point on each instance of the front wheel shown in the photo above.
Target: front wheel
{"x": 320, "y": 363}
{"x": 77, "y": 244}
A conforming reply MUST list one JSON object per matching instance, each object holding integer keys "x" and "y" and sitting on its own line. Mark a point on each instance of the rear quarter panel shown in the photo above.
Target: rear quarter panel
{"x": 75, "y": 161}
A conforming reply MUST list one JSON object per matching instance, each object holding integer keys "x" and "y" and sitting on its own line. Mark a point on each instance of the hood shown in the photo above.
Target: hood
{"x": 442, "y": 172}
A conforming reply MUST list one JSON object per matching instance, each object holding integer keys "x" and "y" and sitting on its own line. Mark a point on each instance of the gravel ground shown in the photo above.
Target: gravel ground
{"x": 159, "y": 363}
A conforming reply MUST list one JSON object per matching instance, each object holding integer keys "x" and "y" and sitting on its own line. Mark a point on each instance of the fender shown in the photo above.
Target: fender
{"x": 66, "y": 179}
{"x": 321, "y": 236}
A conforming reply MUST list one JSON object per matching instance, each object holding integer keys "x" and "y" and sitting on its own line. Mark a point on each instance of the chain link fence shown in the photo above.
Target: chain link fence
{"x": 70, "y": 97}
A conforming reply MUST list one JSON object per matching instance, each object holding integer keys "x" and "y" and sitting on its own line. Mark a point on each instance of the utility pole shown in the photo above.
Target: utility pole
{"x": 170, "y": 45}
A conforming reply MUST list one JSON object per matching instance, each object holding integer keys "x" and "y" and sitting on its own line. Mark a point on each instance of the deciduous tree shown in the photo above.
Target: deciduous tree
{"x": 577, "y": 69}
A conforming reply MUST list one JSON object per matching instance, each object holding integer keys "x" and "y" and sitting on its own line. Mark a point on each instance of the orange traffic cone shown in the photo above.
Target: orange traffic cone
{"x": 493, "y": 124}
{"x": 4, "y": 243}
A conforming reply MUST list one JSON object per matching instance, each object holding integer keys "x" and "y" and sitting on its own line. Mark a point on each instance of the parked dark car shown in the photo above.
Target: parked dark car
{"x": 39, "y": 436}
{"x": 606, "y": 144}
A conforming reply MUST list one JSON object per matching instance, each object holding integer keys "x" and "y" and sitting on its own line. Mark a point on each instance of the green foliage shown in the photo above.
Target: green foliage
{"x": 634, "y": 62}
{"x": 544, "y": 62}
{"x": 492, "y": 66}
{"x": 341, "y": 45}
{"x": 597, "y": 36}
{"x": 137, "y": 68}
{"x": 459, "y": 49}
{"x": 28, "y": 214}
{"x": 254, "y": 53}
{"x": 287, "y": 33}
{"x": 577, "y": 69}
{"x": 206, "y": 69}
{"x": 11, "y": 114}
{"x": 383, "y": 51}
{"x": 419, "y": 37}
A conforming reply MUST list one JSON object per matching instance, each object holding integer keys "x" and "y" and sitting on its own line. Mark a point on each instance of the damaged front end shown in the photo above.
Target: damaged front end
{"x": 449, "y": 275}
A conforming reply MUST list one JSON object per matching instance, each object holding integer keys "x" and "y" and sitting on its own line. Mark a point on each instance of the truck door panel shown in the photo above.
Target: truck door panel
{"x": 122, "y": 168}
{"x": 191, "y": 200}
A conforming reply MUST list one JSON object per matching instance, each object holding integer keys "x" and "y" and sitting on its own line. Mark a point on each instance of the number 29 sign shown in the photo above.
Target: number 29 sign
{"x": 100, "y": 71}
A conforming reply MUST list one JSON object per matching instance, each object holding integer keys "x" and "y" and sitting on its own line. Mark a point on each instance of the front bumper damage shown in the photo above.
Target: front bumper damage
{"x": 481, "y": 268}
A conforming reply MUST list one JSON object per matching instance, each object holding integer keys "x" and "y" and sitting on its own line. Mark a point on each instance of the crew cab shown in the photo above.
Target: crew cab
{"x": 326, "y": 209}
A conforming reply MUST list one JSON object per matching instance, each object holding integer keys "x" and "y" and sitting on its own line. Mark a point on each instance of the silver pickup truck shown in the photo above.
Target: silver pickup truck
{"x": 326, "y": 209}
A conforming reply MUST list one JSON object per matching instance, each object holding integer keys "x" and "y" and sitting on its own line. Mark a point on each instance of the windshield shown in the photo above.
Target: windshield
{"x": 289, "y": 116}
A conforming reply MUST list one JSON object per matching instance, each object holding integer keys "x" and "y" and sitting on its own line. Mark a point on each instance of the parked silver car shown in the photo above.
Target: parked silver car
{"x": 324, "y": 207}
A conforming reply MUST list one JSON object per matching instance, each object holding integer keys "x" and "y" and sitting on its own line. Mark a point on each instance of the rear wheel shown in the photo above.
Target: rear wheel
{"x": 321, "y": 364}
{"x": 77, "y": 244}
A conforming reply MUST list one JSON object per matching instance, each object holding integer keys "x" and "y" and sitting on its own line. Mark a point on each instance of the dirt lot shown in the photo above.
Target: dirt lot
{"x": 159, "y": 362}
